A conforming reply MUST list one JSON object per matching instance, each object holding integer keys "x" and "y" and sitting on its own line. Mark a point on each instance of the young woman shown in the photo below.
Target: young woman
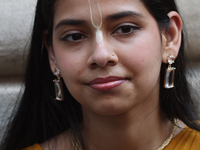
{"x": 110, "y": 56}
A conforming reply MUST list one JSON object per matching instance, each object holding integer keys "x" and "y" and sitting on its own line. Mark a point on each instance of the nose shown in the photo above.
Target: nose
{"x": 102, "y": 55}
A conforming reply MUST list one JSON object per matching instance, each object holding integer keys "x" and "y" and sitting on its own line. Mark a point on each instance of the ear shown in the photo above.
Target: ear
{"x": 172, "y": 37}
{"x": 49, "y": 47}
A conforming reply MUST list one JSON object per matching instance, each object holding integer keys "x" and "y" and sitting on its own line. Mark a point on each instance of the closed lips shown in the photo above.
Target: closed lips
{"x": 106, "y": 84}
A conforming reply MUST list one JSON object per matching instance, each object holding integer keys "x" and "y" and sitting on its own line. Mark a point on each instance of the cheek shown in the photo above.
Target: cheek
{"x": 144, "y": 57}
{"x": 71, "y": 68}
{"x": 70, "y": 63}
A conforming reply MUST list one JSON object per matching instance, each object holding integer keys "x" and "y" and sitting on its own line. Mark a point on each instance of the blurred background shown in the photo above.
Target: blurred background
{"x": 16, "y": 20}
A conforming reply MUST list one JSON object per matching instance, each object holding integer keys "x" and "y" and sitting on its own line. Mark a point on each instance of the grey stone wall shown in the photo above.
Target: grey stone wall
{"x": 16, "y": 19}
{"x": 190, "y": 13}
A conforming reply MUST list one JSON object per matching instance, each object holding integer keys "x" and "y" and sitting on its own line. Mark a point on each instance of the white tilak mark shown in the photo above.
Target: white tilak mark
{"x": 99, "y": 36}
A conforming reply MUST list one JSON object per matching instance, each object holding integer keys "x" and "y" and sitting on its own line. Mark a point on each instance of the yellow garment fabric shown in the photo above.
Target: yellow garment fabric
{"x": 187, "y": 139}
{"x": 34, "y": 147}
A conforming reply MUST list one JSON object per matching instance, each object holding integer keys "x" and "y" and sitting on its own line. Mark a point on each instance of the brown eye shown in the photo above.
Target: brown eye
{"x": 73, "y": 37}
{"x": 76, "y": 37}
{"x": 126, "y": 29}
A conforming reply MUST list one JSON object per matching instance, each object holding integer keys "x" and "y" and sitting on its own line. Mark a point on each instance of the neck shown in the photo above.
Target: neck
{"x": 138, "y": 129}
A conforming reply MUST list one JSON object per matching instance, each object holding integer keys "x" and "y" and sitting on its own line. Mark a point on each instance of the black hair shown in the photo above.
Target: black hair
{"x": 39, "y": 117}
{"x": 175, "y": 102}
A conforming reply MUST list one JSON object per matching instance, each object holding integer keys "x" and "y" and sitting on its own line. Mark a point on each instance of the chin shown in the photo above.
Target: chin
{"x": 111, "y": 109}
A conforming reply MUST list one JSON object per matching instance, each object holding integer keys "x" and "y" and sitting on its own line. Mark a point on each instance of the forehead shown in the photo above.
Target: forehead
{"x": 79, "y": 9}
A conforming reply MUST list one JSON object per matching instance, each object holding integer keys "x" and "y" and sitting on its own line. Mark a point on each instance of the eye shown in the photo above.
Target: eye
{"x": 74, "y": 37}
{"x": 126, "y": 29}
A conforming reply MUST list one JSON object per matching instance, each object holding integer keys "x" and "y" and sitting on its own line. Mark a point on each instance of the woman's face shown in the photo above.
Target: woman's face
{"x": 117, "y": 75}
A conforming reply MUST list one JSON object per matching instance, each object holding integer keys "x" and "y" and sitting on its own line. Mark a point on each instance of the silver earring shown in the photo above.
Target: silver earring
{"x": 58, "y": 86}
{"x": 169, "y": 73}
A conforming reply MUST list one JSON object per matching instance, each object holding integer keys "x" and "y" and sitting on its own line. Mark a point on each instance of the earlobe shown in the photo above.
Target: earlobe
{"x": 172, "y": 36}
{"x": 52, "y": 60}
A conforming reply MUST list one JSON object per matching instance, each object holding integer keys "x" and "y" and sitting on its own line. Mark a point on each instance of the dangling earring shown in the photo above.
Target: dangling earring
{"x": 169, "y": 73}
{"x": 58, "y": 86}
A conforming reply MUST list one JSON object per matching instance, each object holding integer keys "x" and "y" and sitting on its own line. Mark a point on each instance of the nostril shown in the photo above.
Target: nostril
{"x": 111, "y": 63}
{"x": 93, "y": 65}
{"x": 101, "y": 58}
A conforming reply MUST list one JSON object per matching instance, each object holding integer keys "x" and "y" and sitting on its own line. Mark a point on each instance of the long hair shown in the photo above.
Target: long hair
{"x": 39, "y": 117}
{"x": 175, "y": 102}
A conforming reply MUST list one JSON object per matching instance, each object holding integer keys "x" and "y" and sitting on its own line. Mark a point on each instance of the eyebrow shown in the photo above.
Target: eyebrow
{"x": 66, "y": 22}
{"x": 124, "y": 14}
{"x": 116, "y": 16}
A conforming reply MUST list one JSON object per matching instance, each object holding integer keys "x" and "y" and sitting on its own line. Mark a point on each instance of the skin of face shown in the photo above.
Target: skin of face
{"x": 131, "y": 50}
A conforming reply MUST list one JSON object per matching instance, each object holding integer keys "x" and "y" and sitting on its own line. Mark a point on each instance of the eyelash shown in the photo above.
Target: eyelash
{"x": 131, "y": 28}
{"x": 71, "y": 37}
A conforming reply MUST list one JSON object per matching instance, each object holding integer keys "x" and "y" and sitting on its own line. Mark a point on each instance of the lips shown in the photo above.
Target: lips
{"x": 106, "y": 84}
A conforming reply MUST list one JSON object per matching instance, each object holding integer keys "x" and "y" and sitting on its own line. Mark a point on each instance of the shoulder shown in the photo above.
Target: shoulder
{"x": 34, "y": 147}
{"x": 185, "y": 140}
{"x": 62, "y": 141}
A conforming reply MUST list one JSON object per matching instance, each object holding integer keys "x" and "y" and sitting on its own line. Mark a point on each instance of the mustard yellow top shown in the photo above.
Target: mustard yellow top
{"x": 34, "y": 147}
{"x": 187, "y": 139}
